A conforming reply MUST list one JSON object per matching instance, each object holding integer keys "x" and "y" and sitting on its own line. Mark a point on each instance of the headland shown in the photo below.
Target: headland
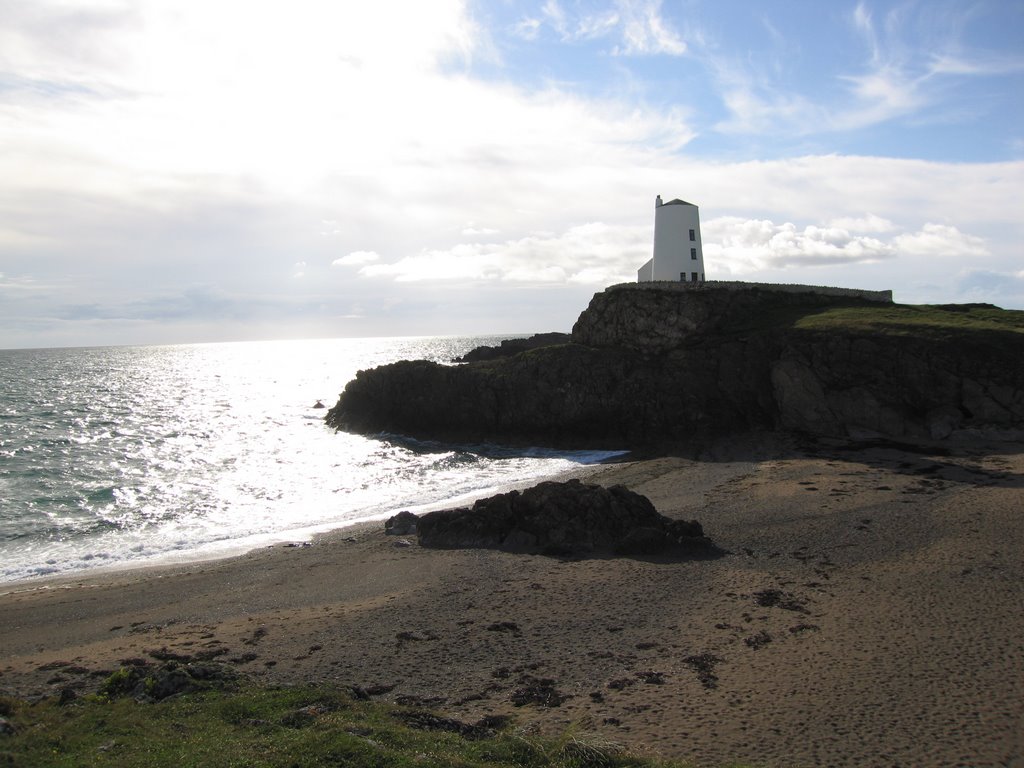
{"x": 664, "y": 364}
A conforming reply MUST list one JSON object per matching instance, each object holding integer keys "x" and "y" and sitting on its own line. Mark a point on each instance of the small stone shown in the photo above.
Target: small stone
{"x": 621, "y": 684}
{"x": 758, "y": 641}
{"x": 415, "y": 636}
{"x": 538, "y": 691}
{"x": 652, "y": 678}
{"x": 504, "y": 626}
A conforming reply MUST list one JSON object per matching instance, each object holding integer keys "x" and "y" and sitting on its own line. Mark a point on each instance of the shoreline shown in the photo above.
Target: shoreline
{"x": 176, "y": 560}
{"x": 869, "y": 612}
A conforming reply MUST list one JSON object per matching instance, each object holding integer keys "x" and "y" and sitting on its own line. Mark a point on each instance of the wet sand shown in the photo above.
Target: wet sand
{"x": 870, "y": 612}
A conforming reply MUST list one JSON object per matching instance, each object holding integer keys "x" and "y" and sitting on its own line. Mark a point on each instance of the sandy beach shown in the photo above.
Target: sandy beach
{"x": 870, "y": 612}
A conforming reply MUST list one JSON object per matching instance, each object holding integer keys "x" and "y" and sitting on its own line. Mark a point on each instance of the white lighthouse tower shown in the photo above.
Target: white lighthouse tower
{"x": 678, "y": 254}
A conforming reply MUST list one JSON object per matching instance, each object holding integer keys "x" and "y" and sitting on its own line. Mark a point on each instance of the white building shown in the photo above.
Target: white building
{"x": 678, "y": 254}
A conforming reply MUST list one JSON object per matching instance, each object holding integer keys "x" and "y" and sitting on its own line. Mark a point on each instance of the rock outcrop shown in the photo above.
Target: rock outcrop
{"x": 510, "y": 347}
{"x": 570, "y": 518}
{"x": 155, "y": 683}
{"x": 656, "y": 364}
{"x": 655, "y": 318}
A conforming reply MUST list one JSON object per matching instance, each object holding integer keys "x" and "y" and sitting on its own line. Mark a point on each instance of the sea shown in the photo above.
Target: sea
{"x": 113, "y": 457}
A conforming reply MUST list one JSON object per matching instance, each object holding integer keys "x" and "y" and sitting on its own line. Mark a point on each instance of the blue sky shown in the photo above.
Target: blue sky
{"x": 202, "y": 170}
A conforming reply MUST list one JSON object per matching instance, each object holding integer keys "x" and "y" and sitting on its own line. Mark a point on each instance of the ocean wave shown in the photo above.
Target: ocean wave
{"x": 199, "y": 452}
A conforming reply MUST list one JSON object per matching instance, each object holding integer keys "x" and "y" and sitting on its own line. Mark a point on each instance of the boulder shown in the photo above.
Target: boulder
{"x": 563, "y": 518}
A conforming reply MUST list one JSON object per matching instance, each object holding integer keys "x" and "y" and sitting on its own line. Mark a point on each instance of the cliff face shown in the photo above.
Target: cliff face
{"x": 667, "y": 364}
{"x": 659, "y": 317}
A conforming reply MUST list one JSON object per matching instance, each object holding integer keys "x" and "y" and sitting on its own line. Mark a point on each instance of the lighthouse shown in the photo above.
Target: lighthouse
{"x": 678, "y": 253}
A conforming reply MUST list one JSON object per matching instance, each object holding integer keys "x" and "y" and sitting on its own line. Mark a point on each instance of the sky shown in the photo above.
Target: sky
{"x": 213, "y": 170}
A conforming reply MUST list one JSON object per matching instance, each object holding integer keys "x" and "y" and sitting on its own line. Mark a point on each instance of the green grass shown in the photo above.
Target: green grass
{"x": 945, "y": 322}
{"x": 908, "y": 319}
{"x": 260, "y": 726}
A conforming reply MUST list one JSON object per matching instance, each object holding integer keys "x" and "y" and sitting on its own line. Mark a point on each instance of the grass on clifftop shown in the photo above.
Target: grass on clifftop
{"x": 293, "y": 726}
{"x": 909, "y": 319}
{"x": 937, "y": 322}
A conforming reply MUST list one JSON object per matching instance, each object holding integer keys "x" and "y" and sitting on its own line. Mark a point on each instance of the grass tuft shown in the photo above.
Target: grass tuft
{"x": 247, "y": 725}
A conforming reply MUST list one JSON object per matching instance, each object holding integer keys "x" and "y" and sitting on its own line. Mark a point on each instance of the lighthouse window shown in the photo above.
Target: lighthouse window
{"x": 693, "y": 275}
{"x": 693, "y": 253}
{"x": 693, "y": 235}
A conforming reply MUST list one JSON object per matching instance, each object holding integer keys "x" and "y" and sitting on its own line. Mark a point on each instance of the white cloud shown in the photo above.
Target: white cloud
{"x": 958, "y": 64}
{"x": 594, "y": 253}
{"x": 747, "y": 245}
{"x": 912, "y": 58}
{"x": 638, "y": 25}
{"x": 867, "y": 223}
{"x": 356, "y": 259}
{"x": 601, "y": 254}
{"x": 15, "y": 236}
{"x": 863, "y": 21}
{"x": 597, "y": 26}
{"x": 912, "y": 61}
{"x": 209, "y": 99}
{"x": 527, "y": 29}
{"x": 471, "y": 230}
{"x": 645, "y": 32}
{"x": 756, "y": 107}
{"x": 743, "y": 246}
{"x": 940, "y": 240}
{"x": 555, "y": 16}
{"x": 63, "y": 50}
{"x": 885, "y": 92}
{"x": 346, "y": 94}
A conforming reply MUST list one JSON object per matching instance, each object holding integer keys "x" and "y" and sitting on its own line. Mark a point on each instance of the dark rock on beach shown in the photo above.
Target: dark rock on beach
{"x": 570, "y": 518}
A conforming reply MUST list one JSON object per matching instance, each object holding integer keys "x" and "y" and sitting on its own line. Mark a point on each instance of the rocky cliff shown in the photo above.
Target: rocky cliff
{"x": 510, "y": 347}
{"x": 657, "y": 363}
